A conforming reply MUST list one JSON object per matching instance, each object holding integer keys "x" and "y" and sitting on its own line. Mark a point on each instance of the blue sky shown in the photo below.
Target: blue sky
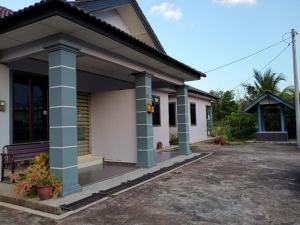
{"x": 208, "y": 33}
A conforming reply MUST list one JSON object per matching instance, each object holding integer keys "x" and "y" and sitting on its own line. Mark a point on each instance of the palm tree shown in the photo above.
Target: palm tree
{"x": 288, "y": 94}
{"x": 268, "y": 81}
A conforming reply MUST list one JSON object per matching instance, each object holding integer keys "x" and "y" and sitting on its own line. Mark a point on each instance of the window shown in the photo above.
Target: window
{"x": 172, "y": 114}
{"x": 193, "y": 114}
{"x": 30, "y": 108}
{"x": 156, "y": 113}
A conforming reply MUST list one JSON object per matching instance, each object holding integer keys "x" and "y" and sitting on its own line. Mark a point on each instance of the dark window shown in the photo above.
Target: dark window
{"x": 193, "y": 114}
{"x": 172, "y": 114}
{"x": 30, "y": 108}
{"x": 156, "y": 113}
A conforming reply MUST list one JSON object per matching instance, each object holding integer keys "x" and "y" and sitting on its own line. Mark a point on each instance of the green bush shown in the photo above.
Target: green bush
{"x": 174, "y": 139}
{"x": 240, "y": 125}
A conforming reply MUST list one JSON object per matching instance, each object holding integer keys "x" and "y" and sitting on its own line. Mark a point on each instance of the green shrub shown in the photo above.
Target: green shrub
{"x": 240, "y": 125}
{"x": 174, "y": 139}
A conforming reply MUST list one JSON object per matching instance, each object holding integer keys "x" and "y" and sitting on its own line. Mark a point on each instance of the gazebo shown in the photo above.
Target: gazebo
{"x": 271, "y": 117}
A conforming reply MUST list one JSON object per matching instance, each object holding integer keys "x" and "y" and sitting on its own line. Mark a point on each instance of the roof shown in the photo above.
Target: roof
{"x": 202, "y": 93}
{"x": 90, "y": 5}
{"x": 252, "y": 106}
{"x": 48, "y": 8}
{"x": 5, "y": 12}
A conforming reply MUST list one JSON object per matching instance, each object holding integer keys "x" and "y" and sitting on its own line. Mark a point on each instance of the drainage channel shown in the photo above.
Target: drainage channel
{"x": 103, "y": 194}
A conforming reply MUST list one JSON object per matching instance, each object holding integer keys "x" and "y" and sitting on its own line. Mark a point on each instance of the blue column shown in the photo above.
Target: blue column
{"x": 63, "y": 116}
{"x": 259, "y": 118}
{"x": 263, "y": 123}
{"x": 282, "y": 119}
{"x": 144, "y": 124}
{"x": 183, "y": 120}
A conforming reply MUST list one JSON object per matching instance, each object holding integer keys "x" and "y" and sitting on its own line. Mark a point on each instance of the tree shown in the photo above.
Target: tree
{"x": 288, "y": 94}
{"x": 268, "y": 81}
{"x": 224, "y": 106}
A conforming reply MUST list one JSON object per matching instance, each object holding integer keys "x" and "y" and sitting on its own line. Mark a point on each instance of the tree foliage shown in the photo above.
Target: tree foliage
{"x": 224, "y": 106}
{"x": 240, "y": 125}
{"x": 267, "y": 81}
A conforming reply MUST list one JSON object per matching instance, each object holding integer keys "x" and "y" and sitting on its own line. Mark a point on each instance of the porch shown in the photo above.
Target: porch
{"x": 110, "y": 180}
{"x": 77, "y": 53}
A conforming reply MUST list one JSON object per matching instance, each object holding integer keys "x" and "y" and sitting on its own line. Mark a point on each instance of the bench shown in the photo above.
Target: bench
{"x": 12, "y": 154}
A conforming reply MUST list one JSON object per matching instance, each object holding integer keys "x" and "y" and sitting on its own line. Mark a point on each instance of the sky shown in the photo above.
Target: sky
{"x": 206, "y": 34}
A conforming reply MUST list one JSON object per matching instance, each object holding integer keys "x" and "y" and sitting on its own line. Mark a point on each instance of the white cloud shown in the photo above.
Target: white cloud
{"x": 235, "y": 2}
{"x": 168, "y": 11}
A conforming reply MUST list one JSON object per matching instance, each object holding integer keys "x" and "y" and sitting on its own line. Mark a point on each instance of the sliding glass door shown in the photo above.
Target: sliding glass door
{"x": 30, "y": 108}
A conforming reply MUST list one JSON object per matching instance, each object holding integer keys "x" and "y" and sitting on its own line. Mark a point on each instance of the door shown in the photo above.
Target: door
{"x": 30, "y": 108}
{"x": 83, "y": 123}
{"x": 209, "y": 120}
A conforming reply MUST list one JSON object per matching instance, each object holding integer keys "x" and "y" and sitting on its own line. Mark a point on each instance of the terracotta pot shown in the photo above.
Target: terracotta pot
{"x": 44, "y": 192}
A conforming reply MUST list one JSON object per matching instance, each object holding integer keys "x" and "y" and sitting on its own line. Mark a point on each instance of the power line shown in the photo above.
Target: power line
{"x": 272, "y": 60}
{"x": 248, "y": 56}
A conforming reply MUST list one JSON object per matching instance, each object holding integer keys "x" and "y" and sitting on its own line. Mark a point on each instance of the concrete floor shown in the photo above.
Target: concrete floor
{"x": 93, "y": 174}
{"x": 254, "y": 184}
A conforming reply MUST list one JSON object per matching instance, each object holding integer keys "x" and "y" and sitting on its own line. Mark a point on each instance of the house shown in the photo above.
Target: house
{"x": 85, "y": 75}
{"x": 273, "y": 121}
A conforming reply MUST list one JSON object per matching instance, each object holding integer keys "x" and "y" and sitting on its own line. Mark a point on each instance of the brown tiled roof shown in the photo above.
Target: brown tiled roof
{"x": 5, "y": 12}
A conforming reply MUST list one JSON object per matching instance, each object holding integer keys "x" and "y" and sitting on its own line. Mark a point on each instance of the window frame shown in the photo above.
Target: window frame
{"x": 191, "y": 122}
{"x": 159, "y": 115}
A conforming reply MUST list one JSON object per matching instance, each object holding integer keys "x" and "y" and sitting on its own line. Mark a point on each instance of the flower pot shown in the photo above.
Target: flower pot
{"x": 44, "y": 192}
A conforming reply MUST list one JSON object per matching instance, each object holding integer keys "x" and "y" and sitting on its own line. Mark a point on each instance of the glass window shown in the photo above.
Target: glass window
{"x": 193, "y": 114}
{"x": 172, "y": 114}
{"x": 21, "y": 115}
{"x": 156, "y": 113}
{"x": 30, "y": 108}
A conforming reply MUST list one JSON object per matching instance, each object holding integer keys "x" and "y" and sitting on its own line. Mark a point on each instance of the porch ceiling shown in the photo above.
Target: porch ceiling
{"x": 18, "y": 38}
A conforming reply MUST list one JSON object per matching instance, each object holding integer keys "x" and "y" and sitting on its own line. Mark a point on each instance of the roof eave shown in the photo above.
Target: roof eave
{"x": 48, "y": 8}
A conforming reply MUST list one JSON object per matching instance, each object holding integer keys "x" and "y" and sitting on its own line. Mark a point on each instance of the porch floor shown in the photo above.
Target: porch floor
{"x": 93, "y": 174}
{"x": 100, "y": 172}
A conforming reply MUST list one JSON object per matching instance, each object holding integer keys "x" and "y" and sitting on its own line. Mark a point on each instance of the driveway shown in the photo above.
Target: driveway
{"x": 248, "y": 184}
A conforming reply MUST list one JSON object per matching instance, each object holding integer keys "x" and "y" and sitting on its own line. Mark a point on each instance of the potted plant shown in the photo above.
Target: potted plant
{"x": 46, "y": 187}
{"x": 37, "y": 180}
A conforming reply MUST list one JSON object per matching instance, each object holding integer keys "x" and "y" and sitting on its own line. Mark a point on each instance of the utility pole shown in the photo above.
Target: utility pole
{"x": 297, "y": 105}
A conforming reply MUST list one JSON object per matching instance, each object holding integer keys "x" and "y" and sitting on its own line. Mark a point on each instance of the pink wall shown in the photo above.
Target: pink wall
{"x": 198, "y": 132}
{"x": 161, "y": 133}
{"x": 113, "y": 125}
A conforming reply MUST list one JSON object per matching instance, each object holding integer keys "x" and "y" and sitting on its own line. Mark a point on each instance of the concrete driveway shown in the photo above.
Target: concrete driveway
{"x": 249, "y": 184}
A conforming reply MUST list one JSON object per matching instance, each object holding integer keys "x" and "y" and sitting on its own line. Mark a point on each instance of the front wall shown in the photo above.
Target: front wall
{"x": 113, "y": 125}
{"x": 198, "y": 132}
{"x": 4, "y": 95}
{"x": 161, "y": 133}
{"x": 4, "y": 116}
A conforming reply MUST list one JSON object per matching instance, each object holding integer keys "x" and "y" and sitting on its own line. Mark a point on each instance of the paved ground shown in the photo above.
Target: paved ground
{"x": 255, "y": 184}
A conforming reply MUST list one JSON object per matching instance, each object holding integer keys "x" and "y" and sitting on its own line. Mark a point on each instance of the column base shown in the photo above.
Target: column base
{"x": 69, "y": 180}
{"x": 71, "y": 190}
{"x": 146, "y": 159}
{"x": 185, "y": 149}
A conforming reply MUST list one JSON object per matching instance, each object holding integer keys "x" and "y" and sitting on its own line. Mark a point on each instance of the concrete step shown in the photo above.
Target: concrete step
{"x": 89, "y": 160}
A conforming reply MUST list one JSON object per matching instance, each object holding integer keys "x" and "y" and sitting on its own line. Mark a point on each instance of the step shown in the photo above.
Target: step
{"x": 89, "y": 160}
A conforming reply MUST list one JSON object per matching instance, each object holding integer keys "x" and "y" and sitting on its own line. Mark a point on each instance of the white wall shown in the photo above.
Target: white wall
{"x": 161, "y": 133}
{"x": 113, "y": 125}
{"x": 4, "y": 116}
{"x": 112, "y": 17}
{"x": 198, "y": 132}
